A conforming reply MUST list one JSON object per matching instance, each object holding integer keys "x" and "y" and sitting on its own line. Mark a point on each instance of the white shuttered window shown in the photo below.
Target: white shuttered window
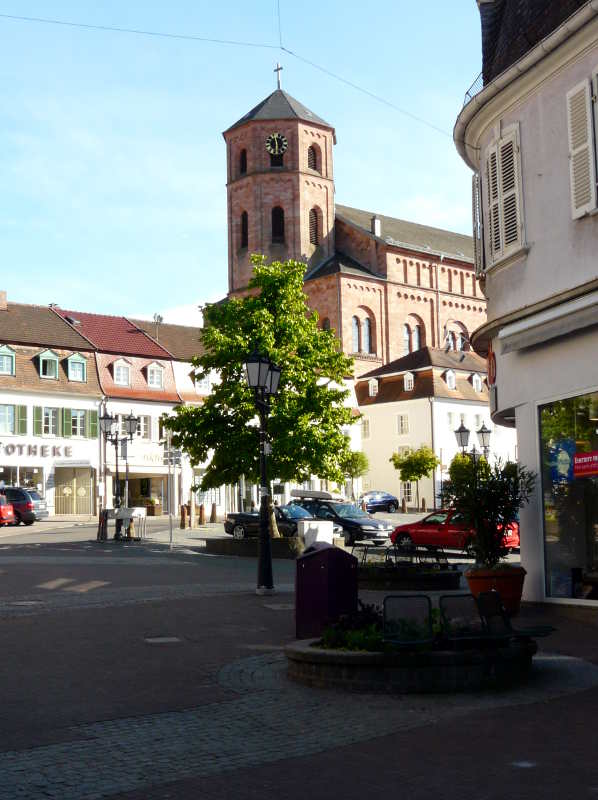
{"x": 582, "y": 165}
{"x": 503, "y": 197}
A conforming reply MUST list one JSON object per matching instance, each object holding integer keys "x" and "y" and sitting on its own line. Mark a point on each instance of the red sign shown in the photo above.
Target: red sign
{"x": 491, "y": 362}
{"x": 585, "y": 464}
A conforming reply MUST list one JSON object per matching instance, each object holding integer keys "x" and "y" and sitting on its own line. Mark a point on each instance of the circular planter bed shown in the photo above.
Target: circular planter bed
{"x": 287, "y": 547}
{"x": 410, "y": 577}
{"x": 409, "y": 672}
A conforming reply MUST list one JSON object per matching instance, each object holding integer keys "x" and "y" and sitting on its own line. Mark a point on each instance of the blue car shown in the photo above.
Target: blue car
{"x": 379, "y": 501}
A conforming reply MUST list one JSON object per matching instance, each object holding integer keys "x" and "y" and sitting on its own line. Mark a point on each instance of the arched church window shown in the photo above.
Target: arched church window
{"x": 244, "y": 229}
{"x": 417, "y": 337}
{"x": 243, "y": 162}
{"x": 451, "y": 340}
{"x": 406, "y": 339}
{"x": 326, "y": 324}
{"x": 367, "y": 335}
{"x": 312, "y": 158}
{"x": 276, "y": 160}
{"x": 313, "y": 227}
{"x": 355, "y": 334}
{"x": 277, "y": 224}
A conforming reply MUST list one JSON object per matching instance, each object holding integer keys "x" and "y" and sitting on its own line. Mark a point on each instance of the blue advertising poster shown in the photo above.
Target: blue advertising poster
{"x": 561, "y": 461}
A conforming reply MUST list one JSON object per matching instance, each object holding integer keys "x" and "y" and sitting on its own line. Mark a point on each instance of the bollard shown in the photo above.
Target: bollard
{"x": 183, "y": 523}
{"x": 213, "y": 513}
{"x": 404, "y": 506}
{"x": 202, "y": 514}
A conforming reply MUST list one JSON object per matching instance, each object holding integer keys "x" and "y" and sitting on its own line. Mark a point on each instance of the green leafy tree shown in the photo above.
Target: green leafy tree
{"x": 489, "y": 496}
{"x": 415, "y": 465}
{"x": 307, "y": 416}
{"x": 356, "y": 466}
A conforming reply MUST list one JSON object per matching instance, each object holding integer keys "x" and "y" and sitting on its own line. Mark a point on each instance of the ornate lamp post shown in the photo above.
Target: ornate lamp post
{"x": 462, "y": 436}
{"x": 263, "y": 377}
{"x": 109, "y": 427}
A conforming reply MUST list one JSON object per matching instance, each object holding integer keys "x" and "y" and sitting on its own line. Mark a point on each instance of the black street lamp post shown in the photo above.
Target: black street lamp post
{"x": 109, "y": 427}
{"x": 263, "y": 377}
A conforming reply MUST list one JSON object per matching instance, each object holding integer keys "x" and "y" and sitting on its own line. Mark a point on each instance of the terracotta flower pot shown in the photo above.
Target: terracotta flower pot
{"x": 508, "y": 582}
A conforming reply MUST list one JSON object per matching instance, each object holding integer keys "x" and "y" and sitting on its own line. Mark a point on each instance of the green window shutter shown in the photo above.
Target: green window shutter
{"x": 58, "y": 423}
{"x": 21, "y": 420}
{"x": 91, "y": 424}
{"x": 38, "y": 413}
{"x": 66, "y": 422}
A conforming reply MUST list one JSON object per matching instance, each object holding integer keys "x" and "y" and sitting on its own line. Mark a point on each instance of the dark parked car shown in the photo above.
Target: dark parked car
{"x": 27, "y": 503}
{"x": 246, "y": 523}
{"x": 379, "y": 501}
{"x": 357, "y": 525}
{"x": 445, "y": 528}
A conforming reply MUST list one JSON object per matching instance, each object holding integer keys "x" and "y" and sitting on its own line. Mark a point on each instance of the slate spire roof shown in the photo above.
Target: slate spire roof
{"x": 279, "y": 105}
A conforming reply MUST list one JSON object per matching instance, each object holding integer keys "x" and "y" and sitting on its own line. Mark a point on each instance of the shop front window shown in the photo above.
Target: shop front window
{"x": 569, "y": 449}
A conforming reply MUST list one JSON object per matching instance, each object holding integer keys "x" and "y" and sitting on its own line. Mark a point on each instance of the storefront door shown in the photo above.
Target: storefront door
{"x": 74, "y": 490}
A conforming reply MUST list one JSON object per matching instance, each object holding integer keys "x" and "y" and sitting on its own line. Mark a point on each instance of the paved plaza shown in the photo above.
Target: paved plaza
{"x": 135, "y": 672}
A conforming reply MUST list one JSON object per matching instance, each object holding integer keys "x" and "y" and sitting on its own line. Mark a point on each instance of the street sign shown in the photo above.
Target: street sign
{"x": 172, "y": 457}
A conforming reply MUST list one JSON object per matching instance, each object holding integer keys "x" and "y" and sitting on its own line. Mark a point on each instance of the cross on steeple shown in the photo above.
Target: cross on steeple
{"x": 277, "y": 70}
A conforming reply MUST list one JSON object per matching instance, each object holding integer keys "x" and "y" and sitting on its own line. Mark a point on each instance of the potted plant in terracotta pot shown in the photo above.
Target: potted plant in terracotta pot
{"x": 489, "y": 497}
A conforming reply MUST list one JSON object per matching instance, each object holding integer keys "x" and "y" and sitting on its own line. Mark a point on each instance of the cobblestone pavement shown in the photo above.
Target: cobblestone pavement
{"x": 270, "y": 719}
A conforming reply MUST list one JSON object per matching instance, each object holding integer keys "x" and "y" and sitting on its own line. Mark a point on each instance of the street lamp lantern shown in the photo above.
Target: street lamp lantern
{"x": 462, "y": 436}
{"x": 257, "y": 367}
{"x": 264, "y": 378}
{"x": 131, "y": 423}
{"x": 107, "y": 424}
{"x": 272, "y": 380}
{"x": 484, "y": 438}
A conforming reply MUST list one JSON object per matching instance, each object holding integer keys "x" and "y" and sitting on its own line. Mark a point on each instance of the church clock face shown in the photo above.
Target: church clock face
{"x": 276, "y": 144}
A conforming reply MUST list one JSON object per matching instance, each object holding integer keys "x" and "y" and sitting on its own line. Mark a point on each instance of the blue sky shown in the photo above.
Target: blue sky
{"x": 112, "y": 162}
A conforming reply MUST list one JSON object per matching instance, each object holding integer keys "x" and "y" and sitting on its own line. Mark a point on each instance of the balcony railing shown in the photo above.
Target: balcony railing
{"x": 475, "y": 88}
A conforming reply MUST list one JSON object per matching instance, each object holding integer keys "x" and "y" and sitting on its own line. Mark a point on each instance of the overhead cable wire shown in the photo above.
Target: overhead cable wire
{"x": 368, "y": 93}
{"x": 231, "y": 42}
{"x": 141, "y": 32}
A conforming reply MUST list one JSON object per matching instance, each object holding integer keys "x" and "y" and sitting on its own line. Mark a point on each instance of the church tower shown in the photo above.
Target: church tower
{"x": 280, "y": 186}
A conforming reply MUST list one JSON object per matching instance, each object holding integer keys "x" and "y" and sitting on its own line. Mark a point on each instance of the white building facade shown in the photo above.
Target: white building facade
{"x": 420, "y": 400}
{"x": 530, "y": 136}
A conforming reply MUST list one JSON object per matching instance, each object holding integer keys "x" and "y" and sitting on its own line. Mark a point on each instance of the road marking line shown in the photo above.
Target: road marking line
{"x": 80, "y": 588}
{"x": 55, "y": 584}
{"x": 163, "y": 640}
{"x": 280, "y": 606}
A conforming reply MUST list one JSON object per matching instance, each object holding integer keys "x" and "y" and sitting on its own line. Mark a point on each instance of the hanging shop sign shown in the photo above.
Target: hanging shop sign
{"x": 36, "y": 450}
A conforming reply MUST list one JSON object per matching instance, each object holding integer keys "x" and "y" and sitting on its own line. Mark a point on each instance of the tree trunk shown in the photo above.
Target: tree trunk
{"x": 417, "y": 493}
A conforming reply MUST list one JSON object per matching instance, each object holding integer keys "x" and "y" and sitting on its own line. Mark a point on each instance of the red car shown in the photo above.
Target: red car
{"x": 444, "y": 529}
{"x": 7, "y": 514}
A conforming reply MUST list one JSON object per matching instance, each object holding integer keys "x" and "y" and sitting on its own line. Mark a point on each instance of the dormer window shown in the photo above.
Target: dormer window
{"x": 408, "y": 381}
{"x": 373, "y": 387}
{"x": 476, "y": 382}
{"x": 451, "y": 379}
{"x": 122, "y": 373}
{"x": 7, "y": 360}
{"x": 77, "y": 368}
{"x": 48, "y": 365}
{"x": 155, "y": 376}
